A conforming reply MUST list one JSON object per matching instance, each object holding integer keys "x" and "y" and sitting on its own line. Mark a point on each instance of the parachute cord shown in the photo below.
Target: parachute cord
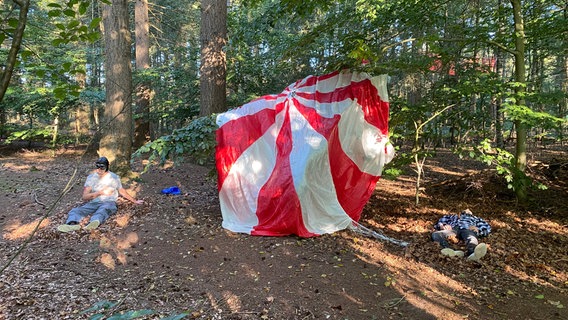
{"x": 359, "y": 228}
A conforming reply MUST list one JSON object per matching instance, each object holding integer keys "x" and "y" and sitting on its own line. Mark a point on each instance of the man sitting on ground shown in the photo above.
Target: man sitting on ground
{"x": 101, "y": 190}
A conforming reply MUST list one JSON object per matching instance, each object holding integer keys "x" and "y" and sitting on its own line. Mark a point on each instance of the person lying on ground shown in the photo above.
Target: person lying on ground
{"x": 462, "y": 227}
{"x": 101, "y": 190}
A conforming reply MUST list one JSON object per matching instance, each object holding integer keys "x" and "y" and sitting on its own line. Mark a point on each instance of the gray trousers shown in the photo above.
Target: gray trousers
{"x": 466, "y": 235}
{"x": 100, "y": 211}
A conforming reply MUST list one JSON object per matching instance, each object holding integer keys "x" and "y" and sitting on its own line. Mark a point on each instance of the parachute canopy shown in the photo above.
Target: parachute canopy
{"x": 304, "y": 161}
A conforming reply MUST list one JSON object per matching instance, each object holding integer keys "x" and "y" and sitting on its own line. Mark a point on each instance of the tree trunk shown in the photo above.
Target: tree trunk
{"x": 7, "y": 70}
{"x": 116, "y": 141}
{"x": 498, "y": 110}
{"x": 520, "y": 77}
{"x": 213, "y": 61}
{"x": 143, "y": 90}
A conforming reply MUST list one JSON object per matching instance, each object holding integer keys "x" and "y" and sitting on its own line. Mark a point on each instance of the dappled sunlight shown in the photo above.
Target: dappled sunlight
{"x": 547, "y": 226}
{"x": 107, "y": 260}
{"x": 123, "y": 219}
{"x": 401, "y": 224}
{"x": 250, "y": 272}
{"x": 23, "y": 166}
{"x": 17, "y": 230}
{"x": 439, "y": 170}
{"x": 418, "y": 284}
{"x": 116, "y": 247}
{"x": 545, "y": 237}
{"x": 232, "y": 301}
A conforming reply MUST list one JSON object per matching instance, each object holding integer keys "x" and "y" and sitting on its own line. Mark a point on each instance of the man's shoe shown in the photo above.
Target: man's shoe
{"x": 479, "y": 252}
{"x": 93, "y": 225}
{"x": 448, "y": 252}
{"x": 68, "y": 227}
{"x": 459, "y": 253}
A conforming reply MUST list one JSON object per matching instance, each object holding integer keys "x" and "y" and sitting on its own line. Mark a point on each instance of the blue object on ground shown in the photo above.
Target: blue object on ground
{"x": 171, "y": 190}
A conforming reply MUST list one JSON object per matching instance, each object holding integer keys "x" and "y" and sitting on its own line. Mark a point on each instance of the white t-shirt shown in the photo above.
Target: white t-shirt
{"x": 109, "y": 180}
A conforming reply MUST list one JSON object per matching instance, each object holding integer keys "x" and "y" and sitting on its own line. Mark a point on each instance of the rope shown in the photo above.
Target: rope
{"x": 361, "y": 229}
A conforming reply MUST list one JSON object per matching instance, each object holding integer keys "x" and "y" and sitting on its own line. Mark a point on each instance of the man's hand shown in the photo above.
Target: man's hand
{"x": 139, "y": 202}
{"x": 107, "y": 191}
{"x": 474, "y": 229}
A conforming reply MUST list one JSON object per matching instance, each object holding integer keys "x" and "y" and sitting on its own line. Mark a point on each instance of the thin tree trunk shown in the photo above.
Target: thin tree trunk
{"x": 143, "y": 90}
{"x": 520, "y": 77}
{"x": 498, "y": 113}
{"x": 6, "y": 72}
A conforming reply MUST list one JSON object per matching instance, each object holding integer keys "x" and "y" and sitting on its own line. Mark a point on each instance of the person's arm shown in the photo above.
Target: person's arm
{"x": 89, "y": 194}
{"x": 128, "y": 197}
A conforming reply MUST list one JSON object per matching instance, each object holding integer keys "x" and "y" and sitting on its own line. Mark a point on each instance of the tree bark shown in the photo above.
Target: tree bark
{"x": 6, "y": 72}
{"x": 116, "y": 141}
{"x": 213, "y": 60}
{"x": 520, "y": 77}
{"x": 143, "y": 90}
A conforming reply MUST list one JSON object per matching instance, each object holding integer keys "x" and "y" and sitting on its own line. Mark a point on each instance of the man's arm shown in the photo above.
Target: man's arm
{"x": 89, "y": 194}
{"x": 128, "y": 197}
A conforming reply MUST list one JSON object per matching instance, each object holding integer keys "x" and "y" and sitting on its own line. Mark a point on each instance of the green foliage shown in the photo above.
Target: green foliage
{"x": 396, "y": 167}
{"x": 196, "y": 140}
{"x": 504, "y": 163}
{"x": 34, "y": 134}
{"x": 529, "y": 116}
{"x": 105, "y": 306}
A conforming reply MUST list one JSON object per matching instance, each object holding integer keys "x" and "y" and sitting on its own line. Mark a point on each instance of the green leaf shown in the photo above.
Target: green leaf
{"x": 540, "y": 296}
{"x": 94, "y": 24}
{"x": 60, "y": 93}
{"x": 104, "y": 304}
{"x": 83, "y": 7}
{"x": 13, "y": 22}
{"x": 69, "y": 12}
{"x": 131, "y": 314}
{"x": 73, "y": 24}
{"x": 54, "y": 13}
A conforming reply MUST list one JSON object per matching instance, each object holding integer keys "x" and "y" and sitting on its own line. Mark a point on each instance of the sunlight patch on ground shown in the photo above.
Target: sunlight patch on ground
{"x": 422, "y": 286}
{"x": 117, "y": 246}
{"x": 232, "y": 301}
{"x": 18, "y": 230}
{"x": 107, "y": 260}
{"x": 547, "y": 226}
{"x": 123, "y": 219}
{"x": 402, "y": 224}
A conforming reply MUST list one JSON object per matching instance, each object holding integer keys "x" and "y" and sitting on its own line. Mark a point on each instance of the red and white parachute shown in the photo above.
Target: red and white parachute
{"x": 304, "y": 161}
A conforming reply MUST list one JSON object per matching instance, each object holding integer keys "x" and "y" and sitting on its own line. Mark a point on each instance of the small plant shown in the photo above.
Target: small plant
{"x": 35, "y": 134}
{"x": 196, "y": 140}
{"x": 504, "y": 163}
{"x": 103, "y": 307}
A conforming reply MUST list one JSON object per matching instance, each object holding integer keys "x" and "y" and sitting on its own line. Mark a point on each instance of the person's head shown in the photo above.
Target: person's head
{"x": 102, "y": 164}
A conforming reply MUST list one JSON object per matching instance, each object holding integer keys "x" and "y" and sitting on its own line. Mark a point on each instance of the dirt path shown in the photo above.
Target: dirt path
{"x": 171, "y": 257}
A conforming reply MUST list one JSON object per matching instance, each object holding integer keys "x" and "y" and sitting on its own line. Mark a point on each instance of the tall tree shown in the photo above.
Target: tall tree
{"x": 143, "y": 90}
{"x": 213, "y": 60}
{"x": 116, "y": 141}
{"x": 520, "y": 78}
{"x": 17, "y": 36}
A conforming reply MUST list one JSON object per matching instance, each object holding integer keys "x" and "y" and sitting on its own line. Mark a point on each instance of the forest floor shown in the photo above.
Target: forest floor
{"x": 170, "y": 257}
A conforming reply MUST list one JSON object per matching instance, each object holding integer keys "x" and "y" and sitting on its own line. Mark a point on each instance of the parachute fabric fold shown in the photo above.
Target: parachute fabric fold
{"x": 304, "y": 161}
